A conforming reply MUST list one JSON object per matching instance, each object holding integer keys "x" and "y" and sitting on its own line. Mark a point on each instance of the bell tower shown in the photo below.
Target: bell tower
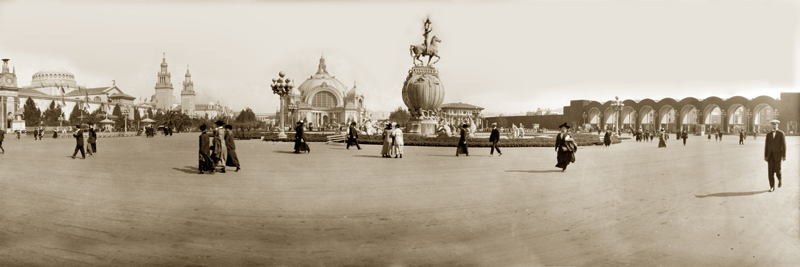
{"x": 187, "y": 94}
{"x": 164, "y": 89}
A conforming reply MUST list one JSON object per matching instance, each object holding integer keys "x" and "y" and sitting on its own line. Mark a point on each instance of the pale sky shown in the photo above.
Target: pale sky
{"x": 508, "y": 57}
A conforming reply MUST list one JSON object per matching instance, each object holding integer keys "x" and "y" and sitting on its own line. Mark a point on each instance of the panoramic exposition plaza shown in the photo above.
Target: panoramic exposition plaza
{"x": 82, "y": 184}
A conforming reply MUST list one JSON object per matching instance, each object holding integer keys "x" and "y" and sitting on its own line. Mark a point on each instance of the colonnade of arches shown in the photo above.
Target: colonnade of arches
{"x": 692, "y": 115}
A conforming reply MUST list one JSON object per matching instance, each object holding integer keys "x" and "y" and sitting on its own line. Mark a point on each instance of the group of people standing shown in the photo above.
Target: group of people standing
{"x": 223, "y": 151}
{"x": 392, "y": 141}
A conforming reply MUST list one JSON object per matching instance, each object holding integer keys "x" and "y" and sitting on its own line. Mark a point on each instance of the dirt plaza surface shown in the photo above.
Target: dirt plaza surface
{"x": 139, "y": 202}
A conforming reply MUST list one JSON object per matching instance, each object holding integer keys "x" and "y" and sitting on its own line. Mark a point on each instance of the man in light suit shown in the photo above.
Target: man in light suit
{"x": 774, "y": 153}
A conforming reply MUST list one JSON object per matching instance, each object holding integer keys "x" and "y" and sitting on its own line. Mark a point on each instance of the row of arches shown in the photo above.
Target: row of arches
{"x": 712, "y": 114}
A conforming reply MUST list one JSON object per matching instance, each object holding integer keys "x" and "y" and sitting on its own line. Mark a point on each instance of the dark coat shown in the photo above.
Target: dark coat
{"x": 2, "y": 135}
{"x": 495, "y": 136}
{"x": 204, "y": 144}
{"x": 463, "y": 139}
{"x": 775, "y": 146}
{"x": 353, "y": 133}
{"x": 607, "y": 138}
{"x": 229, "y": 140}
{"x": 92, "y": 136}
{"x": 299, "y": 134}
{"x": 78, "y": 137}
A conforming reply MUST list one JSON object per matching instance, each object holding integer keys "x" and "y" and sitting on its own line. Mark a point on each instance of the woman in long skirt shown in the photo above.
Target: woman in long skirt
{"x": 397, "y": 134}
{"x": 462, "y": 142}
{"x": 662, "y": 139}
{"x": 565, "y": 148}
{"x": 387, "y": 142}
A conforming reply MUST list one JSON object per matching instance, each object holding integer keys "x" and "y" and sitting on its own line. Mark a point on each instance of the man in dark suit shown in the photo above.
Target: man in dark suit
{"x": 494, "y": 138}
{"x": 92, "y": 140}
{"x": 205, "y": 162}
{"x": 741, "y": 137}
{"x": 300, "y": 143}
{"x": 35, "y": 133}
{"x": 352, "y": 136}
{"x": 684, "y": 136}
{"x": 78, "y": 134}
{"x": 774, "y": 153}
{"x": 232, "y": 160}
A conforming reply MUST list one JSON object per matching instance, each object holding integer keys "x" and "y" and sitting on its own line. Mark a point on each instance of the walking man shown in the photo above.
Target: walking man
{"x": 462, "y": 142}
{"x": 352, "y": 136}
{"x": 741, "y": 137}
{"x": 232, "y": 160}
{"x": 35, "y": 133}
{"x": 774, "y": 153}
{"x": 2, "y": 136}
{"x": 205, "y": 163}
{"x": 494, "y": 138}
{"x": 684, "y": 136}
{"x": 79, "y": 142}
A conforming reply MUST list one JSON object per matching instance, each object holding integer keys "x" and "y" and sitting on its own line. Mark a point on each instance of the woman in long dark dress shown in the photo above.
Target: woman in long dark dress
{"x": 565, "y": 148}
{"x": 462, "y": 142}
{"x": 662, "y": 139}
{"x": 386, "y": 149}
{"x": 300, "y": 143}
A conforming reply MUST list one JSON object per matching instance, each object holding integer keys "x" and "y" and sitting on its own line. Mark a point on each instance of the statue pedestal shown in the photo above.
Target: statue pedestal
{"x": 18, "y": 125}
{"x": 422, "y": 127}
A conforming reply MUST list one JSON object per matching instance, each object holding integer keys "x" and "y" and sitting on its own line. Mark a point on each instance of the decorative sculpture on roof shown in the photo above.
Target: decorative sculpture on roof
{"x": 429, "y": 49}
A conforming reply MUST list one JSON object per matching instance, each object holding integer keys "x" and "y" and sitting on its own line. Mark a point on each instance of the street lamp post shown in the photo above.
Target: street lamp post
{"x": 617, "y": 106}
{"x": 584, "y": 119}
{"x": 125, "y": 113}
{"x": 282, "y": 87}
{"x": 292, "y": 109}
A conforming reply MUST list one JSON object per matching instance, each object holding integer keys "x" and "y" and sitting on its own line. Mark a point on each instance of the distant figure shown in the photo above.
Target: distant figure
{"x": 709, "y": 136}
{"x": 205, "y": 163}
{"x": 220, "y": 150}
{"x": 684, "y": 136}
{"x": 565, "y": 148}
{"x": 55, "y": 133}
{"x": 662, "y": 139}
{"x": 774, "y": 153}
{"x": 92, "y": 140}
{"x": 397, "y": 134}
{"x": 232, "y": 159}
{"x": 2, "y": 136}
{"x": 494, "y": 138}
{"x": 35, "y": 133}
{"x": 607, "y": 138}
{"x": 716, "y": 136}
{"x": 300, "y": 143}
{"x": 352, "y": 136}
{"x": 720, "y": 136}
{"x": 741, "y": 137}
{"x": 387, "y": 141}
{"x": 78, "y": 142}
{"x": 462, "y": 142}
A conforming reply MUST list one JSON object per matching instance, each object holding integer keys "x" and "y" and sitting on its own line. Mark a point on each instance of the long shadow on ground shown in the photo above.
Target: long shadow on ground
{"x": 188, "y": 169}
{"x": 732, "y": 194}
{"x": 534, "y": 171}
{"x": 368, "y": 156}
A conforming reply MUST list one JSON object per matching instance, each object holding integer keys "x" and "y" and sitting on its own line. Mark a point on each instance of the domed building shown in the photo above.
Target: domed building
{"x": 323, "y": 100}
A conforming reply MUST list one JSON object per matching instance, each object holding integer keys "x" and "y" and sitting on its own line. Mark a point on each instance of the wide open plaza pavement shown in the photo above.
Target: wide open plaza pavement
{"x": 140, "y": 202}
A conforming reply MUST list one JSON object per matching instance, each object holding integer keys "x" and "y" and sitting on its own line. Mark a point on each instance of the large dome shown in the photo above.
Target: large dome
{"x": 55, "y": 73}
{"x": 321, "y": 77}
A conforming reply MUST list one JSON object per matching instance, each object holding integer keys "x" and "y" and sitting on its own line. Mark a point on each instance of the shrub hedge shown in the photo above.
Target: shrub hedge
{"x": 415, "y": 140}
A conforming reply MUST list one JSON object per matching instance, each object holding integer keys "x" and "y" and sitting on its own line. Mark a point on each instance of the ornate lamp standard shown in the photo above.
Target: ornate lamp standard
{"x": 617, "y": 106}
{"x": 125, "y": 113}
{"x": 292, "y": 109}
{"x": 584, "y": 119}
{"x": 282, "y": 88}
{"x": 633, "y": 123}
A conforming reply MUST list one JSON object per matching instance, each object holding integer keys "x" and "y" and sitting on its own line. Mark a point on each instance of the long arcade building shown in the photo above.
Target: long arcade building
{"x": 698, "y": 116}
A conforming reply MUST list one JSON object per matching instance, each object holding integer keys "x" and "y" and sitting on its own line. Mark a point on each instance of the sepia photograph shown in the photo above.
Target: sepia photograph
{"x": 444, "y": 133}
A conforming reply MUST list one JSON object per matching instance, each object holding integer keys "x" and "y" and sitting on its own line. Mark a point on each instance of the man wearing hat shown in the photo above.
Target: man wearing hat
{"x": 774, "y": 153}
{"x": 352, "y": 136}
{"x": 495, "y": 138}
{"x": 565, "y": 148}
{"x": 462, "y": 142}
{"x": 78, "y": 134}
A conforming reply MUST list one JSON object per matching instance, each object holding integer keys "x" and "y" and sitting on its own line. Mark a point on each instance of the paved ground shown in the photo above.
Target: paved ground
{"x": 140, "y": 202}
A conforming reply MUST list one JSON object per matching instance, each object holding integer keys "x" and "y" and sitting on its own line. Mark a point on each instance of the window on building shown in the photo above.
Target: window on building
{"x": 97, "y": 98}
{"x": 323, "y": 99}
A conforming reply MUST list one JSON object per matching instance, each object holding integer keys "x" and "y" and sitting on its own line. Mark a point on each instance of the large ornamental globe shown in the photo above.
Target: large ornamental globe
{"x": 423, "y": 90}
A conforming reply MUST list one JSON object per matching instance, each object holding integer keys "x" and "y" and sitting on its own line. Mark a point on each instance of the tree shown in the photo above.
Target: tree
{"x": 75, "y": 115}
{"x": 136, "y": 116}
{"x": 120, "y": 123}
{"x": 31, "y": 113}
{"x": 51, "y": 114}
{"x": 150, "y": 113}
{"x": 400, "y": 115}
{"x": 247, "y": 115}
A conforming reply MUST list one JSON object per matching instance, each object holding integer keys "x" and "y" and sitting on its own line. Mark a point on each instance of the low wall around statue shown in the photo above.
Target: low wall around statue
{"x": 544, "y": 121}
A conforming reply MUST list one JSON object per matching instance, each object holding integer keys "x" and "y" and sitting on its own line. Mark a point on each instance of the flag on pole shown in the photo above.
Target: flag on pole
{"x": 62, "y": 95}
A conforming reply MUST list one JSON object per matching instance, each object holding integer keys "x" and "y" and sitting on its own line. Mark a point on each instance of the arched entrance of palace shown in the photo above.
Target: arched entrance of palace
{"x": 762, "y": 115}
{"x": 647, "y": 119}
{"x": 608, "y": 117}
{"x": 666, "y": 119}
{"x": 712, "y": 118}
{"x": 737, "y": 119}
{"x": 689, "y": 119}
{"x": 628, "y": 119}
{"x": 594, "y": 119}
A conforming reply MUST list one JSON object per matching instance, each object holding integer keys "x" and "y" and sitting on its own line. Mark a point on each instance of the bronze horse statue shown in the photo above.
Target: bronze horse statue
{"x": 431, "y": 51}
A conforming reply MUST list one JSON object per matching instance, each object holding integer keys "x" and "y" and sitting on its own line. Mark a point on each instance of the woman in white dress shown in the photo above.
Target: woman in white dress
{"x": 397, "y": 134}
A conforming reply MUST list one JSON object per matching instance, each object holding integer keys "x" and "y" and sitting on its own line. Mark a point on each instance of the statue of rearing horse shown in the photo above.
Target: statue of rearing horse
{"x": 431, "y": 50}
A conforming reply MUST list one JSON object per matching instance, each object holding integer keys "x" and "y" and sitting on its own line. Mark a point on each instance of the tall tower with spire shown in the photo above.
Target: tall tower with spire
{"x": 187, "y": 95}
{"x": 164, "y": 93}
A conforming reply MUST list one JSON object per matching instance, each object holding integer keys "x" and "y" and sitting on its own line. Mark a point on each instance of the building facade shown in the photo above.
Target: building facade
{"x": 323, "y": 100}
{"x": 163, "y": 88}
{"x": 455, "y": 114}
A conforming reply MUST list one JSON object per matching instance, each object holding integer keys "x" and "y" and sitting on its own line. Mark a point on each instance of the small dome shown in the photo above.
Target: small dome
{"x": 53, "y": 70}
{"x": 189, "y": 74}
{"x": 211, "y": 103}
{"x": 354, "y": 93}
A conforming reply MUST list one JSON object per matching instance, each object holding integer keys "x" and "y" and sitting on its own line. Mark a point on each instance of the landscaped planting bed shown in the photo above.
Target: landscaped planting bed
{"x": 415, "y": 140}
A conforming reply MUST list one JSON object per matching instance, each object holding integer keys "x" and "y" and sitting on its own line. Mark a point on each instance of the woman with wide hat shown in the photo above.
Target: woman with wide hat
{"x": 565, "y": 148}
{"x": 662, "y": 139}
{"x": 462, "y": 142}
{"x": 300, "y": 143}
{"x": 386, "y": 150}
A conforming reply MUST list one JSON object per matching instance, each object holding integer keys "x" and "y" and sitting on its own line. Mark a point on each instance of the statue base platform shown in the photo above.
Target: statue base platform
{"x": 18, "y": 125}
{"x": 422, "y": 127}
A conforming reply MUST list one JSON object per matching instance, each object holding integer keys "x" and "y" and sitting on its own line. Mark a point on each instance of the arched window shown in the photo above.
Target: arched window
{"x": 323, "y": 99}
{"x": 97, "y": 98}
